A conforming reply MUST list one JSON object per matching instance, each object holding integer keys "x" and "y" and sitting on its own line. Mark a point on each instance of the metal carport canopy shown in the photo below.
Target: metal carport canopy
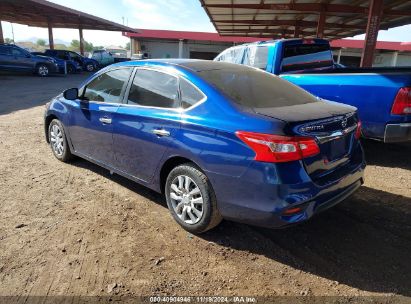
{"x": 308, "y": 18}
{"x": 41, "y": 13}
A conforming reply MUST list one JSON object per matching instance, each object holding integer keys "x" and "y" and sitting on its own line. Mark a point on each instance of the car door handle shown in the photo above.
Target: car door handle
{"x": 105, "y": 120}
{"x": 161, "y": 132}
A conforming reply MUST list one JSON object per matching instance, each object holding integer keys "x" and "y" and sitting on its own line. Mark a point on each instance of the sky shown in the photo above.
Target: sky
{"x": 183, "y": 15}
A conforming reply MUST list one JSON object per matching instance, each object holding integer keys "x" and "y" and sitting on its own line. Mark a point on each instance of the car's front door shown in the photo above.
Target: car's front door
{"x": 21, "y": 59}
{"x": 144, "y": 127}
{"x": 91, "y": 116}
{"x": 5, "y": 57}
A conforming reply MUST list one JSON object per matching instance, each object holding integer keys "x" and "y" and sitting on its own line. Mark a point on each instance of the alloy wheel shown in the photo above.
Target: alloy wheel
{"x": 186, "y": 199}
{"x": 43, "y": 70}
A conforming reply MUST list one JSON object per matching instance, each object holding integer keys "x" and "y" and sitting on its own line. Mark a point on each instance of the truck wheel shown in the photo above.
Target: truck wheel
{"x": 191, "y": 199}
{"x": 90, "y": 67}
{"x": 42, "y": 70}
{"x": 70, "y": 69}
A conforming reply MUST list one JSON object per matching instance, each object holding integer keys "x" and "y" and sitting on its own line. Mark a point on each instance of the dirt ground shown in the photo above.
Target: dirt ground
{"x": 73, "y": 229}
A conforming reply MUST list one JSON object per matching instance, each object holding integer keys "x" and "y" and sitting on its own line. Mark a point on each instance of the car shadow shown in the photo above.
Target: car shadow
{"x": 364, "y": 242}
{"x": 20, "y": 91}
{"x": 394, "y": 155}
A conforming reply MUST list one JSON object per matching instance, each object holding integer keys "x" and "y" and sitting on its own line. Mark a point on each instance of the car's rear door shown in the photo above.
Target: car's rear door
{"x": 91, "y": 117}
{"x": 145, "y": 124}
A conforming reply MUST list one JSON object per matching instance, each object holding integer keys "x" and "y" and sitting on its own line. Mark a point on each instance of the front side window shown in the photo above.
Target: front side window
{"x": 233, "y": 55}
{"x": 256, "y": 56}
{"x": 108, "y": 86}
{"x": 190, "y": 95}
{"x": 154, "y": 89}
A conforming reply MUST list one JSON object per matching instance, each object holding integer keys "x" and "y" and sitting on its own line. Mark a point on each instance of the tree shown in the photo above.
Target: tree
{"x": 127, "y": 47}
{"x": 8, "y": 40}
{"x": 88, "y": 46}
{"x": 75, "y": 45}
{"x": 41, "y": 42}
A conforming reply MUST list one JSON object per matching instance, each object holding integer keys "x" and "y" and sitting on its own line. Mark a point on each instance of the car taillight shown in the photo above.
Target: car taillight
{"x": 358, "y": 130}
{"x": 277, "y": 149}
{"x": 402, "y": 102}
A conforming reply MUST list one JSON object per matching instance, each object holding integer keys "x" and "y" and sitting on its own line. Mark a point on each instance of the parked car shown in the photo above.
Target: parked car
{"x": 219, "y": 140}
{"x": 65, "y": 65}
{"x": 103, "y": 57}
{"x": 382, "y": 95}
{"x": 17, "y": 59}
{"x": 85, "y": 63}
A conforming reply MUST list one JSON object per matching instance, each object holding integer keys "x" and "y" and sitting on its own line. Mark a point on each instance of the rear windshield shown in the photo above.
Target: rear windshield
{"x": 306, "y": 56}
{"x": 254, "y": 88}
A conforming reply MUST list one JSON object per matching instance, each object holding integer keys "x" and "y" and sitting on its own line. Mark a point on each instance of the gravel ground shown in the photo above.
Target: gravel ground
{"x": 73, "y": 229}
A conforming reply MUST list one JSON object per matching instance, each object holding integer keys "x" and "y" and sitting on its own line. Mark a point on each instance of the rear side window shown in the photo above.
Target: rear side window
{"x": 4, "y": 50}
{"x": 256, "y": 56}
{"x": 154, "y": 89}
{"x": 190, "y": 95}
{"x": 256, "y": 89}
{"x": 306, "y": 56}
{"x": 108, "y": 86}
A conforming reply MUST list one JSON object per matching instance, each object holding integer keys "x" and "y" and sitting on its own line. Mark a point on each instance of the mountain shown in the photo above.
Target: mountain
{"x": 34, "y": 40}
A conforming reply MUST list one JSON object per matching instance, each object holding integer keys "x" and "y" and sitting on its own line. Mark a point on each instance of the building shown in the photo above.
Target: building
{"x": 200, "y": 45}
{"x": 348, "y": 52}
{"x": 178, "y": 44}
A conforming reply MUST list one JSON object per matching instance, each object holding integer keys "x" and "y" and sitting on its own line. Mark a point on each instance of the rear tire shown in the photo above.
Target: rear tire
{"x": 191, "y": 199}
{"x": 42, "y": 70}
{"x": 58, "y": 141}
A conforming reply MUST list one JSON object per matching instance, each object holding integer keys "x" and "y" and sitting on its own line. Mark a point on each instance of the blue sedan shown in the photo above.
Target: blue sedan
{"x": 219, "y": 140}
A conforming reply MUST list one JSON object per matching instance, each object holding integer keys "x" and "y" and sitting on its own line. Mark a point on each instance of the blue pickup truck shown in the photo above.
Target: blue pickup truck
{"x": 382, "y": 95}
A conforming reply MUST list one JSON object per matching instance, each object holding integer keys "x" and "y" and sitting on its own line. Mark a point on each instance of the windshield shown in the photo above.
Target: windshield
{"x": 254, "y": 88}
{"x": 306, "y": 56}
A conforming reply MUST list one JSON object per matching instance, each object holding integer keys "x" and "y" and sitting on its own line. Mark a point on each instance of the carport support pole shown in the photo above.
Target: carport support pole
{"x": 320, "y": 25}
{"x": 180, "y": 48}
{"x": 297, "y": 31}
{"x": 1, "y": 34}
{"x": 80, "y": 31}
{"x": 51, "y": 40}
{"x": 373, "y": 26}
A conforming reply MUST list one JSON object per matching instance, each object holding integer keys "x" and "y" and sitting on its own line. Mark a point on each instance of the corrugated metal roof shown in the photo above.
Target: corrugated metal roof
{"x": 280, "y": 18}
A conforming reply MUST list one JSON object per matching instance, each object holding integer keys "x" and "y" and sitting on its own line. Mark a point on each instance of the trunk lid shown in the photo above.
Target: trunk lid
{"x": 333, "y": 126}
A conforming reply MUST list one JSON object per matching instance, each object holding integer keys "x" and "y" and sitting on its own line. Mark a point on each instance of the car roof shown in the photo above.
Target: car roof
{"x": 195, "y": 65}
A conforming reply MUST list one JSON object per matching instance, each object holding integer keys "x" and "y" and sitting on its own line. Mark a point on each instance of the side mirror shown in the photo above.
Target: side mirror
{"x": 28, "y": 55}
{"x": 71, "y": 94}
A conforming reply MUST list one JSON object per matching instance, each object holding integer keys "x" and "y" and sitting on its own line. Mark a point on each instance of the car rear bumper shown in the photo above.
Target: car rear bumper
{"x": 397, "y": 132}
{"x": 261, "y": 198}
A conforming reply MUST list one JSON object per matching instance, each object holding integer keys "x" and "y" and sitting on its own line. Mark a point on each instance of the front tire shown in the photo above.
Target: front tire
{"x": 191, "y": 199}
{"x": 70, "y": 69}
{"x": 42, "y": 70}
{"x": 90, "y": 67}
{"x": 58, "y": 141}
